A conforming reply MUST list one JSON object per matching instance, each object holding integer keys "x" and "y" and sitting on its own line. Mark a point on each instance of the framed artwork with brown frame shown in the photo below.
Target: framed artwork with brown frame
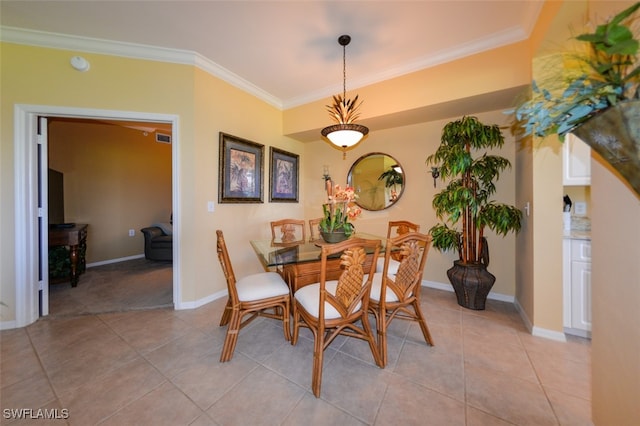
{"x": 283, "y": 176}
{"x": 240, "y": 170}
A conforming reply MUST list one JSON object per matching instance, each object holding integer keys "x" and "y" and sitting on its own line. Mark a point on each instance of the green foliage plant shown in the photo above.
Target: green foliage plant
{"x": 608, "y": 73}
{"x": 391, "y": 178}
{"x": 465, "y": 205}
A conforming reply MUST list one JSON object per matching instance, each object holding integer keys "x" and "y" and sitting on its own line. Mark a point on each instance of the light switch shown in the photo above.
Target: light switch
{"x": 211, "y": 206}
{"x": 581, "y": 208}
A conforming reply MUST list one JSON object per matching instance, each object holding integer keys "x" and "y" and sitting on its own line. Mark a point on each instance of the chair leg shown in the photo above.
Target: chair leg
{"x": 381, "y": 326}
{"x": 231, "y": 338}
{"x": 296, "y": 325}
{"x": 372, "y": 344}
{"x": 226, "y": 314}
{"x": 318, "y": 353}
{"x": 285, "y": 321}
{"x": 423, "y": 323}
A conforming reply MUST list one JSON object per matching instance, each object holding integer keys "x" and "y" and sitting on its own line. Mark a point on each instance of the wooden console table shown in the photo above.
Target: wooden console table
{"x": 76, "y": 239}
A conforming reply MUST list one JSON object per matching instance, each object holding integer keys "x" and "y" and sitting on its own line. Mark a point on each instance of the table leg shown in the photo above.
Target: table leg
{"x": 73, "y": 256}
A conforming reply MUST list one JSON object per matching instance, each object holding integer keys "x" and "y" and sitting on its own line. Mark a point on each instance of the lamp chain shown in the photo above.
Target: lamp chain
{"x": 344, "y": 75}
{"x": 344, "y": 88}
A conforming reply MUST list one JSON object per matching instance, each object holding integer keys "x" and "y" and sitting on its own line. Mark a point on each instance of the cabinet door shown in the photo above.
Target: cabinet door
{"x": 581, "y": 295}
{"x": 576, "y": 162}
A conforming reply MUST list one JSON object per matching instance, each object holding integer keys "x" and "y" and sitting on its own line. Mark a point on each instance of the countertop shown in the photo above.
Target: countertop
{"x": 577, "y": 235}
{"x": 580, "y": 228}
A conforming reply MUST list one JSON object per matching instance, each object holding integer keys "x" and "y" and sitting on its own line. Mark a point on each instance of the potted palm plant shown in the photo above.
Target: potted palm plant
{"x": 391, "y": 178}
{"x": 596, "y": 96}
{"x": 465, "y": 205}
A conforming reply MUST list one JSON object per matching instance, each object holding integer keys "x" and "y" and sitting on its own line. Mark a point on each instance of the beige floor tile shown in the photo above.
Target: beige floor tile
{"x": 570, "y": 410}
{"x": 507, "y": 359}
{"x": 433, "y": 367}
{"x": 33, "y": 392}
{"x": 101, "y": 397}
{"x": 311, "y": 411}
{"x": 206, "y": 380}
{"x": 567, "y": 376}
{"x": 183, "y": 351}
{"x": 165, "y": 405}
{"x": 89, "y": 364}
{"x": 354, "y": 386}
{"x": 261, "y": 398}
{"x": 296, "y": 362}
{"x": 411, "y": 404}
{"x": 160, "y": 366}
{"x": 508, "y": 398}
{"x": 477, "y": 417}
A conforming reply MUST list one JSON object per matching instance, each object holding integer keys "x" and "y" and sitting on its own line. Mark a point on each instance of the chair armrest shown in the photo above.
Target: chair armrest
{"x": 152, "y": 232}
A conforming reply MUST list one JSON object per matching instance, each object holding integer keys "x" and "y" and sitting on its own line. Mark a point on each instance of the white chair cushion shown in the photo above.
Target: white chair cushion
{"x": 262, "y": 285}
{"x": 389, "y": 296}
{"x": 309, "y": 297}
{"x": 393, "y": 266}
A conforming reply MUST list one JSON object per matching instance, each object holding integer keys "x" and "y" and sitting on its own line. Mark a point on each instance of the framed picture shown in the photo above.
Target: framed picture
{"x": 283, "y": 176}
{"x": 240, "y": 170}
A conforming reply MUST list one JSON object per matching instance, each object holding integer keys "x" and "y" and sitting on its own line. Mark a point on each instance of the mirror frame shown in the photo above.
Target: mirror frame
{"x": 387, "y": 203}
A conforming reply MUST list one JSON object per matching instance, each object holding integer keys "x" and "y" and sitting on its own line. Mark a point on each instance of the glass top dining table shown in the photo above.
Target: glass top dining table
{"x": 281, "y": 254}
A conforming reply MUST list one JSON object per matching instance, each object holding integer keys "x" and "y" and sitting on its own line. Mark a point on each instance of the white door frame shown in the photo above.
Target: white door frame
{"x": 26, "y": 201}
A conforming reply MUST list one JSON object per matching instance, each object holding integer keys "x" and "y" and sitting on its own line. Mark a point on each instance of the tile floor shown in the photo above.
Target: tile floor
{"x": 160, "y": 367}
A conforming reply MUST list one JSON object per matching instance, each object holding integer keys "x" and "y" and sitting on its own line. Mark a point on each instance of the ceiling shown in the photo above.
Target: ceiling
{"x": 289, "y": 49}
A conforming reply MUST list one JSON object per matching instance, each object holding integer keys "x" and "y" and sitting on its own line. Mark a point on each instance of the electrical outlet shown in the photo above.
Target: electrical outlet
{"x": 132, "y": 232}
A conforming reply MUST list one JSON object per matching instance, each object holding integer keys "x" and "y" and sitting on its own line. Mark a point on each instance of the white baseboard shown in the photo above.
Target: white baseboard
{"x": 7, "y": 325}
{"x": 448, "y": 287}
{"x": 201, "y": 302}
{"x": 121, "y": 259}
{"x": 537, "y": 331}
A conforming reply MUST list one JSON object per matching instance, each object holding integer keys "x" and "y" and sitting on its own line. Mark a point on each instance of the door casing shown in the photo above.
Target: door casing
{"x": 27, "y": 301}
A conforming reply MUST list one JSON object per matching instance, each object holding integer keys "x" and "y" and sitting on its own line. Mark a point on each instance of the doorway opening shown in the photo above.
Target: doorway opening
{"x": 115, "y": 178}
{"x": 30, "y": 143}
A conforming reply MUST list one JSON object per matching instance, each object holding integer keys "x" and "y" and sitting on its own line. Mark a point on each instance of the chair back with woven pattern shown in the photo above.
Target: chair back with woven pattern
{"x": 396, "y": 295}
{"x": 412, "y": 255}
{"x": 352, "y": 291}
{"x": 401, "y": 227}
{"x": 227, "y": 269}
{"x": 314, "y": 229}
{"x": 288, "y": 231}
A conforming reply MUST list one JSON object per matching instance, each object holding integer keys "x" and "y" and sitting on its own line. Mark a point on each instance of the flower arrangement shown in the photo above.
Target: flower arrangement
{"x": 339, "y": 210}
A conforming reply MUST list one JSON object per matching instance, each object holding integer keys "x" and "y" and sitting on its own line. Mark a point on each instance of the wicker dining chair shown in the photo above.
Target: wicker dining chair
{"x": 394, "y": 229}
{"x": 314, "y": 229}
{"x": 333, "y": 307}
{"x": 253, "y": 294}
{"x": 397, "y": 296}
{"x": 288, "y": 231}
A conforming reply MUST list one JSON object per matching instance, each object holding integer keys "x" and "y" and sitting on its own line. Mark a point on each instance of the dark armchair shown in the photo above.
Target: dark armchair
{"x": 158, "y": 242}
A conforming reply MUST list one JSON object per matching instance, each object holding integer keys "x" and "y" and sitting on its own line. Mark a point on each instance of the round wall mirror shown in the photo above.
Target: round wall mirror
{"x": 378, "y": 180}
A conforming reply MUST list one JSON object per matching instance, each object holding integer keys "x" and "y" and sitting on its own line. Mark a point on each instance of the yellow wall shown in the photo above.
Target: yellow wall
{"x": 115, "y": 179}
{"x": 205, "y": 106}
{"x": 615, "y": 286}
{"x": 411, "y": 145}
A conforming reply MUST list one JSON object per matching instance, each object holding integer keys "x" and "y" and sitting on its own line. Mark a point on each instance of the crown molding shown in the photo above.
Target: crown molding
{"x": 135, "y": 51}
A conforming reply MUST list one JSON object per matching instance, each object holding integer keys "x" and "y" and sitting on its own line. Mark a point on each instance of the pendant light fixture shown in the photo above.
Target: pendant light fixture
{"x": 344, "y": 111}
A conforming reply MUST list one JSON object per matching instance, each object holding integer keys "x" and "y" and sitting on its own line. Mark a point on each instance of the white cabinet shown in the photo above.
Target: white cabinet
{"x": 576, "y": 162}
{"x": 577, "y": 287}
